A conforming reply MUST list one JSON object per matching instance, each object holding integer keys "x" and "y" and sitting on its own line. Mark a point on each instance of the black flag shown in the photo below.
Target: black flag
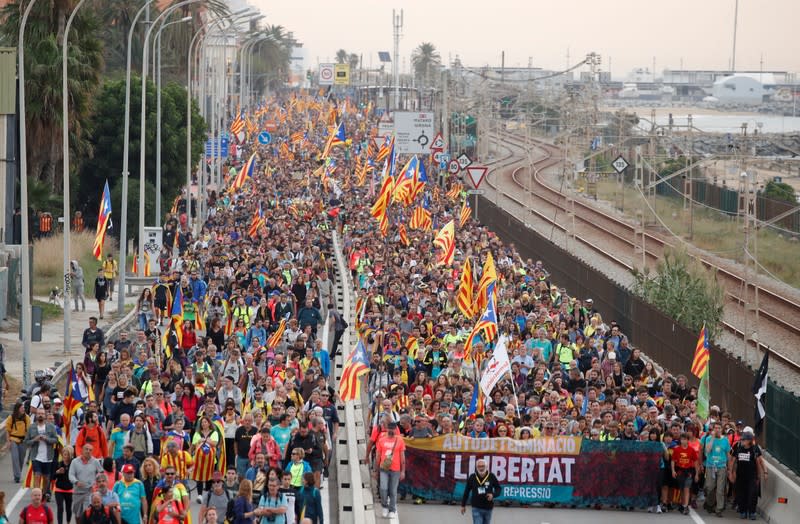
{"x": 760, "y": 392}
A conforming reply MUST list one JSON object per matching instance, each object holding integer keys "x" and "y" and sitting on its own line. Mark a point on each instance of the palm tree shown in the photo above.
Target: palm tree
{"x": 425, "y": 59}
{"x": 271, "y": 57}
{"x": 341, "y": 56}
{"x": 44, "y": 35}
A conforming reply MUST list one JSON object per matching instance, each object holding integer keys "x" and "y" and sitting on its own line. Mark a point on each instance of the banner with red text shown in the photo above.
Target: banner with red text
{"x": 563, "y": 470}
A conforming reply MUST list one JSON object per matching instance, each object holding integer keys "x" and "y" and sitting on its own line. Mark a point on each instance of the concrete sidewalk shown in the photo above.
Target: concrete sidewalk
{"x": 51, "y": 349}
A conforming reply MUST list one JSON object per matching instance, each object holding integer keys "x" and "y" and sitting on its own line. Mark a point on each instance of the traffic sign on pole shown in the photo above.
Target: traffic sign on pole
{"x": 476, "y": 174}
{"x": 453, "y": 168}
{"x": 438, "y": 143}
{"x": 619, "y": 164}
{"x": 264, "y": 138}
{"x": 464, "y": 161}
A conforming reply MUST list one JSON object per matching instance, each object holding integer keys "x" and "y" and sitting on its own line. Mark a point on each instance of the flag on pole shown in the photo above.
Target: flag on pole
{"x": 446, "y": 240}
{"x": 703, "y": 394}
{"x": 276, "y": 337}
{"x": 401, "y": 229}
{"x": 760, "y": 391}
{"x": 496, "y": 368}
{"x": 73, "y": 398}
{"x": 464, "y": 299}
{"x": 488, "y": 276}
{"x": 487, "y": 325}
{"x": 357, "y": 364}
{"x": 244, "y": 173}
{"x": 701, "y": 354}
{"x": 466, "y": 213}
{"x": 103, "y": 221}
{"x": 477, "y": 404}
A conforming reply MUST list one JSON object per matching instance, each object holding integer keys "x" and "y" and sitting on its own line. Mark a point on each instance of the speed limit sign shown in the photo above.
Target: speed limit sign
{"x": 453, "y": 167}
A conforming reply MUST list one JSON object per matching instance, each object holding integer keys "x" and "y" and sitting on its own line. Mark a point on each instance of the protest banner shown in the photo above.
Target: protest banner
{"x": 563, "y": 470}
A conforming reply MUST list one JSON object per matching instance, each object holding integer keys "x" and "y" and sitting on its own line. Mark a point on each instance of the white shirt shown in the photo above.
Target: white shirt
{"x": 41, "y": 450}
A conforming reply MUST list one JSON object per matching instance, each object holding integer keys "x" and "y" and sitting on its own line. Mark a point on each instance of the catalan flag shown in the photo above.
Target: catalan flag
{"x": 103, "y": 223}
{"x": 276, "y": 337}
{"x": 357, "y": 364}
{"x": 488, "y": 277}
{"x": 244, "y": 173}
{"x": 486, "y": 325}
{"x": 238, "y": 124}
{"x": 74, "y": 398}
{"x": 336, "y": 138}
{"x": 455, "y": 191}
{"x": 421, "y": 219}
{"x": 297, "y": 137}
{"x": 464, "y": 299}
{"x": 401, "y": 229}
{"x": 446, "y": 240}
{"x": 257, "y": 222}
{"x": 478, "y": 403}
{"x": 466, "y": 213}
{"x": 386, "y": 148}
{"x": 701, "y": 354}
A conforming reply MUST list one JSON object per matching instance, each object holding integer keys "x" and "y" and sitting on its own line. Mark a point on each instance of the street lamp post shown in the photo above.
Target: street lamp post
{"x": 142, "y": 128}
{"x": 158, "y": 113}
{"x": 25, "y": 261}
{"x": 123, "y": 233}
{"x": 65, "y": 164}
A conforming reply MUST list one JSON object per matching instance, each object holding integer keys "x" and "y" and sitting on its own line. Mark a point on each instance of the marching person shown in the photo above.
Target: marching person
{"x": 482, "y": 488}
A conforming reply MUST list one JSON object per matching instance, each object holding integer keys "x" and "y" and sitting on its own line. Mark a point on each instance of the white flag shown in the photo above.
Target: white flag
{"x": 497, "y": 367}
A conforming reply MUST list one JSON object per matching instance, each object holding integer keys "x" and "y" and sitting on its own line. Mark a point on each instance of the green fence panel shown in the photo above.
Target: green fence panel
{"x": 783, "y": 426}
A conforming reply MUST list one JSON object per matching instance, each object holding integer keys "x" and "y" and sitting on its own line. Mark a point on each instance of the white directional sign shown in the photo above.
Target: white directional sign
{"x": 413, "y": 132}
{"x": 476, "y": 174}
{"x": 453, "y": 168}
{"x": 326, "y": 74}
{"x": 463, "y": 161}
{"x": 619, "y": 164}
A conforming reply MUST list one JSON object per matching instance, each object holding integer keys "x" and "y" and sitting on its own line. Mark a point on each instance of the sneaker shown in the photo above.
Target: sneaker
{"x": 686, "y": 510}
{"x": 753, "y": 516}
{"x": 199, "y": 499}
{"x": 650, "y": 509}
{"x": 385, "y": 512}
{"x": 393, "y": 515}
{"x": 658, "y": 509}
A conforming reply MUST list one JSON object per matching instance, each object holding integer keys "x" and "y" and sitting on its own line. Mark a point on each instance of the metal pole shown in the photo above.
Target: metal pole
{"x": 65, "y": 168}
{"x": 23, "y": 204}
{"x": 735, "y": 22}
{"x": 142, "y": 129}
{"x": 123, "y": 234}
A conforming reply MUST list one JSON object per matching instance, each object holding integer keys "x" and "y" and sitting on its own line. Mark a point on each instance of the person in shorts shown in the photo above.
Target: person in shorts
{"x": 685, "y": 469}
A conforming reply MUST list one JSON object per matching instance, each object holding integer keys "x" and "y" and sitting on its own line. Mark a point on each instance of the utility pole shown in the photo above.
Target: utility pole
{"x": 445, "y": 109}
{"x": 502, "y": 67}
{"x": 748, "y": 199}
{"x": 735, "y": 22}
{"x": 689, "y": 180}
{"x": 397, "y": 26}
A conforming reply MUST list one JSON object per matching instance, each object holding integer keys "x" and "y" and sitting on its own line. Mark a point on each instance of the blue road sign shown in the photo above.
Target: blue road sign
{"x": 264, "y": 138}
{"x": 442, "y": 165}
{"x": 215, "y": 148}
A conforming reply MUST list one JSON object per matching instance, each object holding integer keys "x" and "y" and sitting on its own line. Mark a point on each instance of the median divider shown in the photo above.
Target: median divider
{"x": 355, "y": 490}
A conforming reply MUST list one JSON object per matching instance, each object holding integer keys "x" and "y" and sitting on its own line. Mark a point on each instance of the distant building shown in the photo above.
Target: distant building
{"x": 738, "y": 89}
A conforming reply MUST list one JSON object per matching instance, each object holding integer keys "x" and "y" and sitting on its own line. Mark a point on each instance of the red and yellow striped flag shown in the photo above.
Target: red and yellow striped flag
{"x": 275, "y": 338}
{"x": 488, "y": 276}
{"x": 464, "y": 299}
{"x": 446, "y": 240}
{"x": 466, "y": 213}
{"x": 701, "y": 354}
{"x": 401, "y": 229}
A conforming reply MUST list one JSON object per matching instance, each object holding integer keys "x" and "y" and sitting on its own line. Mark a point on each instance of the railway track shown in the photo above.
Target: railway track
{"x": 619, "y": 237}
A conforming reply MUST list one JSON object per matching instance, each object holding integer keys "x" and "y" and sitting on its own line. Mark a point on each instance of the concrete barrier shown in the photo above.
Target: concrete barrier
{"x": 780, "y": 494}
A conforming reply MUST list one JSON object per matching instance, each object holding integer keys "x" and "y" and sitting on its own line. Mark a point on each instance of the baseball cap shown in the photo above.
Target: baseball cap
{"x": 128, "y": 468}
{"x": 216, "y": 476}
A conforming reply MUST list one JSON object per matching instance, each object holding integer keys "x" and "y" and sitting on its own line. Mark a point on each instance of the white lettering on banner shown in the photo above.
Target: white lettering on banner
{"x": 537, "y": 446}
{"x": 526, "y": 492}
{"x": 517, "y": 470}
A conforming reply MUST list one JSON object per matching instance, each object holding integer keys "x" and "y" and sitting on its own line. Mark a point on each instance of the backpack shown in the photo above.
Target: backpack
{"x": 230, "y": 515}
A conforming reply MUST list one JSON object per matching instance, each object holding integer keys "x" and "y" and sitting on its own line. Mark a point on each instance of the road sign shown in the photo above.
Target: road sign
{"x": 264, "y": 138}
{"x": 413, "y": 132}
{"x": 326, "y": 74}
{"x": 438, "y": 142}
{"x": 442, "y": 165}
{"x": 438, "y": 156}
{"x": 453, "y": 168}
{"x": 385, "y": 127}
{"x": 619, "y": 164}
{"x": 476, "y": 191}
{"x": 445, "y": 157}
{"x": 341, "y": 74}
{"x": 464, "y": 161}
{"x": 476, "y": 174}
{"x": 217, "y": 147}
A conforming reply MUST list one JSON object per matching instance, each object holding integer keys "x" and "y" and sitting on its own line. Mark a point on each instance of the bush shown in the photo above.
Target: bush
{"x": 685, "y": 290}
{"x": 48, "y": 256}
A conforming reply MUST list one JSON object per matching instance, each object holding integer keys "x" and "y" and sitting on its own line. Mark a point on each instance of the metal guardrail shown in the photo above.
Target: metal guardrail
{"x": 355, "y": 490}
{"x": 61, "y": 370}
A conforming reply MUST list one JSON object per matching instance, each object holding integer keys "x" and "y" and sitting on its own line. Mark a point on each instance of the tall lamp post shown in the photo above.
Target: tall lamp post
{"x": 65, "y": 164}
{"x": 123, "y": 234}
{"x": 142, "y": 128}
{"x": 25, "y": 258}
{"x": 157, "y": 62}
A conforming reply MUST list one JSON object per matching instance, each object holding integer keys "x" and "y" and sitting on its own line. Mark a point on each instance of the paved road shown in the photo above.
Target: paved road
{"x": 440, "y": 514}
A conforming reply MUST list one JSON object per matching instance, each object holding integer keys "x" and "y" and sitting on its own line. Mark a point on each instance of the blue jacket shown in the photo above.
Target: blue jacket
{"x": 199, "y": 288}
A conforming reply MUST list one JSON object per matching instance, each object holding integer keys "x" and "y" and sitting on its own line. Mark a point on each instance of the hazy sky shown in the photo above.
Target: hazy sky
{"x": 628, "y": 32}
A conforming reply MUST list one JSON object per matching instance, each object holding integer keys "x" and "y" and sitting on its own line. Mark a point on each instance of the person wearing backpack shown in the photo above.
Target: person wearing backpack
{"x": 308, "y": 504}
{"x": 217, "y": 498}
{"x": 96, "y": 512}
{"x": 36, "y": 512}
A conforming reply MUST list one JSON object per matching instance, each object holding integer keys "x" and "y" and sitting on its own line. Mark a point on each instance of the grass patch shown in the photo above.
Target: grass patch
{"x": 48, "y": 256}
{"x": 711, "y": 230}
{"x": 49, "y": 311}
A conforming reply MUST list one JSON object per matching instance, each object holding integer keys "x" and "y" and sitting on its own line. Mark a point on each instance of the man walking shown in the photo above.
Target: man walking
{"x": 714, "y": 450}
{"x": 390, "y": 463}
{"x": 482, "y": 488}
{"x": 82, "y": 474}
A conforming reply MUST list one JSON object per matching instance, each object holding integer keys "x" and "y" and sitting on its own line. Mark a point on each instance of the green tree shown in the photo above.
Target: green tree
{"x": 780, "y": 191}
{"x": 44, "y": 35}
{"x": 425, "y": 60}
{"x": 107, "y": 141}
{"x": 341, "y": 56}
{"x": 683, "y": 289}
